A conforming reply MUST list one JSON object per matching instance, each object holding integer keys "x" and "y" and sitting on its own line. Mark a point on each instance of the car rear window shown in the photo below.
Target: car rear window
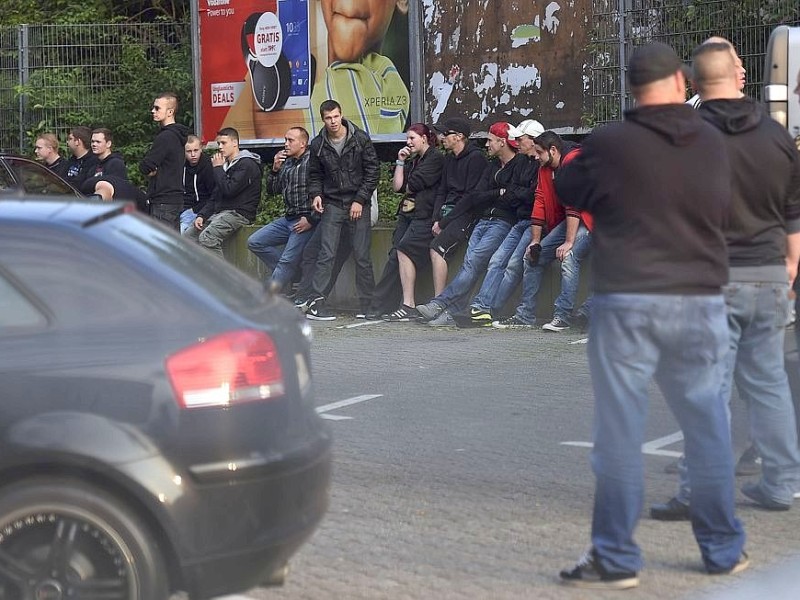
{"x": 136, "y": 236}
{"x": 16, "y": 310}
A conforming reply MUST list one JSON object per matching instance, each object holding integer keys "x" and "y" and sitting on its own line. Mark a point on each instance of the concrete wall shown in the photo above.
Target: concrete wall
{"x": 344, "y": 296}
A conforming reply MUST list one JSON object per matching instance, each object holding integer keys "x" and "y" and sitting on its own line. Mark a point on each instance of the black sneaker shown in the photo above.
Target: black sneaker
{"x": 317, "y": 311}
{"x": 480, "y": 318}
{"x": 757, "y": 495}
{"x": 512, "y": 322}
{"x": 588, "y": 573}
{"x": 404, "y": 314}
{"x": 749, "y": 463}
{"x": 741, "y": 565}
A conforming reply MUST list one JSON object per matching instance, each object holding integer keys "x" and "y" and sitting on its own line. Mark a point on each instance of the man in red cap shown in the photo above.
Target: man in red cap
{"x": 504, "y": 186}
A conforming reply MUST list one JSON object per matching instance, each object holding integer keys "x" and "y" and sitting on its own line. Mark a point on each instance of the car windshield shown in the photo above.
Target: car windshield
{"x": 135, "y": 236}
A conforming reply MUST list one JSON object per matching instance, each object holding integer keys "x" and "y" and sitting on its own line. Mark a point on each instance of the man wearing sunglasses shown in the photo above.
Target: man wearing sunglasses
{"x": 163, "y": 163}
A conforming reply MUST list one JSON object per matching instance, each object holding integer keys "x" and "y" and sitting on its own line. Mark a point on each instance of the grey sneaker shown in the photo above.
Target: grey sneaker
{"x": 445, "y": 319}
{"x": 430, "y": 311}
{"x": 557, "y": 324}
{"x": 757, "y": 495}
{"x": 513, "y": 322}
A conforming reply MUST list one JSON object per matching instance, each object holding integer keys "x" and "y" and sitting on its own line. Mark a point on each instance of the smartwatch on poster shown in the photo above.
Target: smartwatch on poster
{"x": 270, "y": 77}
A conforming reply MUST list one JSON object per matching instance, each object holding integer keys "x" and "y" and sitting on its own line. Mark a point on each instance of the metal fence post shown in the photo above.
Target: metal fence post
{"x": 23, "y": 72}
{"x": 622, "y": 88}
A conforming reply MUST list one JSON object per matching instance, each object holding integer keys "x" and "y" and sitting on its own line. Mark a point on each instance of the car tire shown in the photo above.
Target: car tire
{"x": 65, "y": 538}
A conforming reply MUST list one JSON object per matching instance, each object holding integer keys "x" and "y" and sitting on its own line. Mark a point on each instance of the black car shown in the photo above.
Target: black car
{"x": 24, "y": 176}
{"x": 157, "y": 425}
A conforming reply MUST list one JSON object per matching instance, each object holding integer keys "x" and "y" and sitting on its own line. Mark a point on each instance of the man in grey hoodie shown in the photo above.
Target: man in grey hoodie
{"x": 235, "y": 200}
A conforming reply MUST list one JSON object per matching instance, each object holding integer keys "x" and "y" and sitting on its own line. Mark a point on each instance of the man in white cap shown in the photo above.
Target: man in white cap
{"x": 505, "y": 267}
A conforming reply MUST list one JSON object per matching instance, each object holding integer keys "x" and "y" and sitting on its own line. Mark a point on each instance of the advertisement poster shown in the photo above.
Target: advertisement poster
{"x": 267, "y": 65}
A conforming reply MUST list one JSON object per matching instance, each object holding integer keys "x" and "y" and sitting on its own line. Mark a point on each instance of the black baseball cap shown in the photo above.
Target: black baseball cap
{"x": 457, "y": 124}
{"x": 652, "y": 62}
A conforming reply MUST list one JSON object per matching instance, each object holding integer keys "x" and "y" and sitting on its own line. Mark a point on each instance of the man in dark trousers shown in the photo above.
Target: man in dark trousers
{"x": 343, "y": 171}
{"x": 234, "y": 204}
{"x": 658, "y": 313}
{"x": 763, "y": 236}
{"x": 163, "y": 163}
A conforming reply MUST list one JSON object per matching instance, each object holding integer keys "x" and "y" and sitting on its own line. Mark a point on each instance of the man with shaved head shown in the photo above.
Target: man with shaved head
{"x": 763, "y": 240}
{"x": 741, "y": 72}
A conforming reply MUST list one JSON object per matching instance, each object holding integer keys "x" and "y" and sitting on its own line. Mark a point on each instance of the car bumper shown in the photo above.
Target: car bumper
{"x": 234, "y": 533}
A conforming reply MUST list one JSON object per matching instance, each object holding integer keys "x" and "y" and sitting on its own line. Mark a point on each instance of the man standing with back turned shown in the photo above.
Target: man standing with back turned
{"x": 658, "y": 312}
{"x": 763, "y": 235}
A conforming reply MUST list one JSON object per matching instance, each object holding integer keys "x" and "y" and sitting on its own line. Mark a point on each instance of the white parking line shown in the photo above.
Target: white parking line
{"x": 321, "y": 410}
{"x": 653, "y": 448}
{"x": 580, "y": 341}
{"x": 359, "y": 324}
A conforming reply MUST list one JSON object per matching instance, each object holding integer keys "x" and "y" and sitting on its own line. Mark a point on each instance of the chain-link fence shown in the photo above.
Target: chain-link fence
{"x": 620, "y": 25}
{"x": 54, "y": 77}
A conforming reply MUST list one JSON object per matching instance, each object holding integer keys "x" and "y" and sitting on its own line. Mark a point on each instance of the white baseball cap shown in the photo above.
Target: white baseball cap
{"x": 529, "y": 127}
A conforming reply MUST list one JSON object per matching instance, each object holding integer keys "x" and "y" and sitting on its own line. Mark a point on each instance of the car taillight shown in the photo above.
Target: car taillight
{"x": 234, "y": 367}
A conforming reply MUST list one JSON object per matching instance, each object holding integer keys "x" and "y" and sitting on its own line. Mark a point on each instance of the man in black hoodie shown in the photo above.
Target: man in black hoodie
{"x": 463, "y": 170}
{"x": 81, "y": 161}
{"x": 108, "y": 179}
{"x": 763, "y": 236}
{"x": 198, "y": 181}
{"x": 234, "y": 204}
{"x": 658, "y": 186}
{"x": 163, "y": 163}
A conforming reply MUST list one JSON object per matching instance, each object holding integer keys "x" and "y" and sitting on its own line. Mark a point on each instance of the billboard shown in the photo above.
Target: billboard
{"x": 267, "y": 65}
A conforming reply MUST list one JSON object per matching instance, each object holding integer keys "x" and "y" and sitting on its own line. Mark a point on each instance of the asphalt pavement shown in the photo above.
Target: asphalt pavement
{"x": 461, "y": 471}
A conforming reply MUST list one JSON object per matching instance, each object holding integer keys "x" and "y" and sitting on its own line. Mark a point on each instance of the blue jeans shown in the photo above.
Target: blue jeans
{"x": 570, "y": 271}
{"x": 485, "y": 239}
{"x": 681, "y": 341}
{"x": 187, "y": 219}
{"x": 756, "y": 322}
{"x": 280, "y": 248}
{"x": 505, "y": 270}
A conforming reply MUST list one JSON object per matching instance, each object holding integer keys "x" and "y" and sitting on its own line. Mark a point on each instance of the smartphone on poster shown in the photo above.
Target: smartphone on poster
{"x": 294, "y": 18}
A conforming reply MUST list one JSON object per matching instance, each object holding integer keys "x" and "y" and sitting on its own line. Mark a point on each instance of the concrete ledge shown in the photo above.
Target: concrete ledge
{"x": 344, "y": 296}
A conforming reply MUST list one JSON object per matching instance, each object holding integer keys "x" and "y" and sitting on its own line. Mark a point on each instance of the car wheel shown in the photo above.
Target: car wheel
{"x": 64, "y": 539}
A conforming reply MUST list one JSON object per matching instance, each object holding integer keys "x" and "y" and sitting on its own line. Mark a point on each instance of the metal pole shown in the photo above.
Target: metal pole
{"x": 622, "y": 63}
{"x": 416, "y": 63}
{"x": 195, "y": 36}
{"x": 22, "y": 76}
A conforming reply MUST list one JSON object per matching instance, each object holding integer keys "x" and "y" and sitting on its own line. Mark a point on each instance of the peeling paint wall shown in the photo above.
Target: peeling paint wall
{"x": 489, "y": 60}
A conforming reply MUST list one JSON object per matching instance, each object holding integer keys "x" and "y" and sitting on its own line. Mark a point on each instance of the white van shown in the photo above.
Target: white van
{"x": 782, "y": 77}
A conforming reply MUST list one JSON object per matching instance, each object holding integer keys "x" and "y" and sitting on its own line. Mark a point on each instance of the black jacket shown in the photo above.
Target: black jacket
{"x": 487, "y": 202}
{"x": 353, "y": 176}
{"x": 112, "y": 165}
{"x": 166, "y": 158}
{"x": 461, "y": 173}
{"x": 238, "y": 187}
{"x": 765, "y": 205}
{"x": 78, "y": 169}
{"x": 59, "y": 167}
{"x": 421, "y": 180}
{"x": 658, "y": 186}
{"x": 198, "y": 183}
